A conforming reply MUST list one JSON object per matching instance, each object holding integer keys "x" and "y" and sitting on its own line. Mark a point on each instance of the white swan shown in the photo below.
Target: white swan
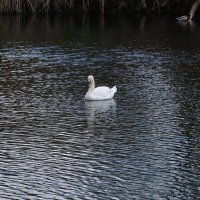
{"x": 99, "y": 93}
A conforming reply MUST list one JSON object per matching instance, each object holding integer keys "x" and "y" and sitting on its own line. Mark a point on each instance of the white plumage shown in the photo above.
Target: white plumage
{"x": 99, "y": 93}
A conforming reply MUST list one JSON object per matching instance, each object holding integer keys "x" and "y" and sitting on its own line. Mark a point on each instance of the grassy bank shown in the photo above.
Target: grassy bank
{"x": 103, "y": 6}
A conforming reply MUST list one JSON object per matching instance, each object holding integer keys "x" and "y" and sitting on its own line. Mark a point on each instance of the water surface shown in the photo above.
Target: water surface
{"x": 143, "y": 144}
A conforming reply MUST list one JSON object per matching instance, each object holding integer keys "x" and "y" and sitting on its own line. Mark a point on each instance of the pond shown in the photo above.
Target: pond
{"x": 143, "y": 144}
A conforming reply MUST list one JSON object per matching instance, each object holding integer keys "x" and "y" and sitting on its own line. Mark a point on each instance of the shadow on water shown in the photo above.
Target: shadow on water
{"x": 143, "y": 144}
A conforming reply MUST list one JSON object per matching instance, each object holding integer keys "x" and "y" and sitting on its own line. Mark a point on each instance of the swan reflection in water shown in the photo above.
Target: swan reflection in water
{"x": 100, "y": 112}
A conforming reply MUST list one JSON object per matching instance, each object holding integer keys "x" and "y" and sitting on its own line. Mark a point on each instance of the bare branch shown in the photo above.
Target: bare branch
{"x": 31, "y": 6}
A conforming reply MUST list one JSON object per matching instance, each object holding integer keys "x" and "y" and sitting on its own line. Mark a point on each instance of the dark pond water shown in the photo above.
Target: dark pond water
{"x": 143, "y": 144}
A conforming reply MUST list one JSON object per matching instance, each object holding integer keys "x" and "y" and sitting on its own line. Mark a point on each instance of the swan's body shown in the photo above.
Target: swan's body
{"x": 99, "y": 93}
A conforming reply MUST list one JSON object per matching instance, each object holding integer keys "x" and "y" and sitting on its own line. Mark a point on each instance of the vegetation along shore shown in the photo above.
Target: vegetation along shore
{"x": 102, "y": 6}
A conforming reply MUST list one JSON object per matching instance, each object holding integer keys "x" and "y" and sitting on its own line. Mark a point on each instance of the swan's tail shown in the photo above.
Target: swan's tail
{"x": 114, "y": 89}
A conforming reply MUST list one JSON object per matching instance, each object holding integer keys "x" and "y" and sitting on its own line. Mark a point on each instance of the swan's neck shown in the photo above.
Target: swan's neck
{"x": 92, "y": 86}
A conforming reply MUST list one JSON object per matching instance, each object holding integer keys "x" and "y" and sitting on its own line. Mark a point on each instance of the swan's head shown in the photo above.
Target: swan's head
{"x": 90, "y": 80}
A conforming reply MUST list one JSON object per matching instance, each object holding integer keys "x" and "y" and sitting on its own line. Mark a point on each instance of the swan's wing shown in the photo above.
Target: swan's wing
{"x": 101, "y": 91}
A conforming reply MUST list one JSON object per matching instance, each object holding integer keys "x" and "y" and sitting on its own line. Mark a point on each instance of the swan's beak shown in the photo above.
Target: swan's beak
{"x": 89, "y": 83}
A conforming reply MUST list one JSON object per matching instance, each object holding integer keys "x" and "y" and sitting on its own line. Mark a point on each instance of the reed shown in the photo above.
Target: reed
{"x": 61, "y": 6}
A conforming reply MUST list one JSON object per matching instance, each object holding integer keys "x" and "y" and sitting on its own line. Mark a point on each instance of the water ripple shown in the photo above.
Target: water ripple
{"x": 144, "y": 144}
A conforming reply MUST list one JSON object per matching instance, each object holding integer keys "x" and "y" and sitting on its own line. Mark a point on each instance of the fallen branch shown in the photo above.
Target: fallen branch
{"x": 191, "y": 13}
{"x": 194, "y": 9}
